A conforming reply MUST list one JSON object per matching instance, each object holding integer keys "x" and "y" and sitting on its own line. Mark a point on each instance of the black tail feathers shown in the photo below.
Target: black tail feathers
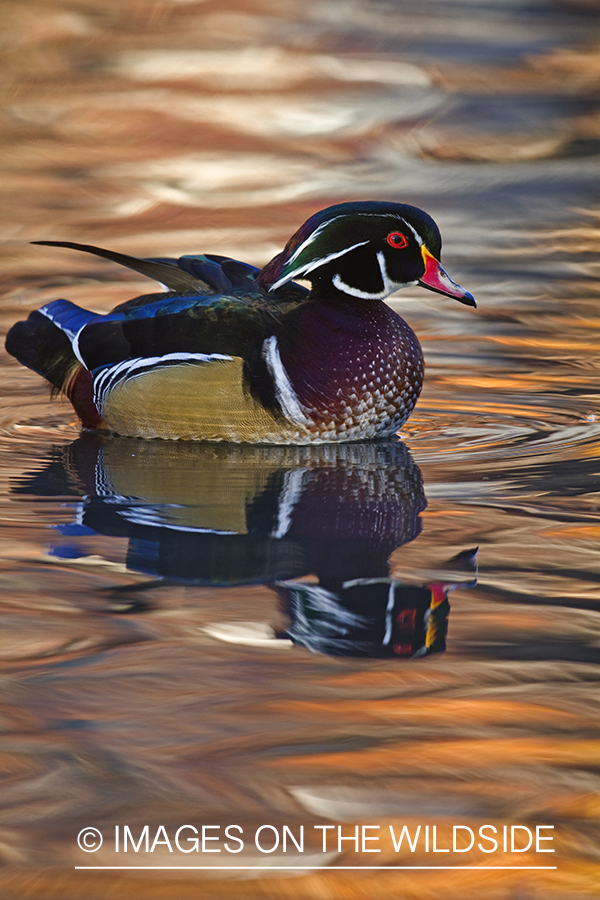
{"x": 41, "y": 346}
{"x": 167, "y": 273}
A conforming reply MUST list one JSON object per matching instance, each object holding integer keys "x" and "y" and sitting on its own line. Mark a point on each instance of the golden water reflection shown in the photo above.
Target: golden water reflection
{"x": 166, "y": 128}
{"x": 316, "y": 524}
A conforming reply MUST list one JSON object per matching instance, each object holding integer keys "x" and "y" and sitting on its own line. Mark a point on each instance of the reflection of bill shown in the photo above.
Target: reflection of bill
{"x": 373, "y": 617}
{"x": 222, "y": 515}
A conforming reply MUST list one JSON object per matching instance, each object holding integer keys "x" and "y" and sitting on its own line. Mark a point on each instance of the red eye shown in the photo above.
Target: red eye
{"x": 397, "y": 240}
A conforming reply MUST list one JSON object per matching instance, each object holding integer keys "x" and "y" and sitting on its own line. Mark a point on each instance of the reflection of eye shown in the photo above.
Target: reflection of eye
{"x": 397, "y": 240}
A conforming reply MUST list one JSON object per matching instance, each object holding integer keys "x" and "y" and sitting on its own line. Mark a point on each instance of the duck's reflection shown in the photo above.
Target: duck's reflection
{"x": 223, "y": 515}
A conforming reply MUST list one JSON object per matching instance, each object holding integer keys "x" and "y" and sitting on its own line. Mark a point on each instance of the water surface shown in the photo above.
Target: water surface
{"x": 297, "y": 636}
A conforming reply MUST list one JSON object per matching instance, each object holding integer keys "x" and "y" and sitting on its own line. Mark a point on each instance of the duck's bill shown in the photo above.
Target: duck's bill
{"x": 435, "y": 279}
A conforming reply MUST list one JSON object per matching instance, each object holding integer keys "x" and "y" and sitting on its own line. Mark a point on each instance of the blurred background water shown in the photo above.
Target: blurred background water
{"x": 153, "y": 673}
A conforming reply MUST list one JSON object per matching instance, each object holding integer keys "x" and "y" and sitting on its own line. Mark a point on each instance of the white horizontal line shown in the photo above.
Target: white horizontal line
{"x": 315, "y": 868}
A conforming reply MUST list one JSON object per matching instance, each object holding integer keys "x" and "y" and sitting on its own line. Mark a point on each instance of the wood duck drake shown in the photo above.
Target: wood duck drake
{"x": 235, "y": 353}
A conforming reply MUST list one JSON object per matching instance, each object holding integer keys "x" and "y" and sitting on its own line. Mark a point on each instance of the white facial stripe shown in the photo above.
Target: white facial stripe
{"x": 389, "y": 286}
{"x": 418, "y": 237}
{"x": 305, "y": 270}
{"x": 286, "y": 396}
{"x": 315, "y": 264}
{"x": 311, "y": 238}
{"x": 355, "y": 292}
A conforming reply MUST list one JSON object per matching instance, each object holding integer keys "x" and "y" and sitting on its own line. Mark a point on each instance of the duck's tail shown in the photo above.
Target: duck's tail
{"x": 44, "y": 343}
{"x": 166, "y": 272}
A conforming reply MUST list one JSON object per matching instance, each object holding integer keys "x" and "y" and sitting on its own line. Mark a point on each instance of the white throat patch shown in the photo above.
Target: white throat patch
{"x": 389, "y": 286}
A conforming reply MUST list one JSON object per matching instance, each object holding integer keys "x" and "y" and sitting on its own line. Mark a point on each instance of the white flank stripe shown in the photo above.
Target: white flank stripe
{"x": 286, "y": 396}
{"x": 108, "y": 378}
{"x": 151, "y": 517}
{"x": 151, "y": 361}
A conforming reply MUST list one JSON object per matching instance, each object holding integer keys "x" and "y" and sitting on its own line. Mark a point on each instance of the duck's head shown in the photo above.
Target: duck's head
{"x": 365, "y": 249}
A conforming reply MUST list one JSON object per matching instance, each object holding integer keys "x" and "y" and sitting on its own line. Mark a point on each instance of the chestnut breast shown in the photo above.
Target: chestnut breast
{"x": 354, "y": 365}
